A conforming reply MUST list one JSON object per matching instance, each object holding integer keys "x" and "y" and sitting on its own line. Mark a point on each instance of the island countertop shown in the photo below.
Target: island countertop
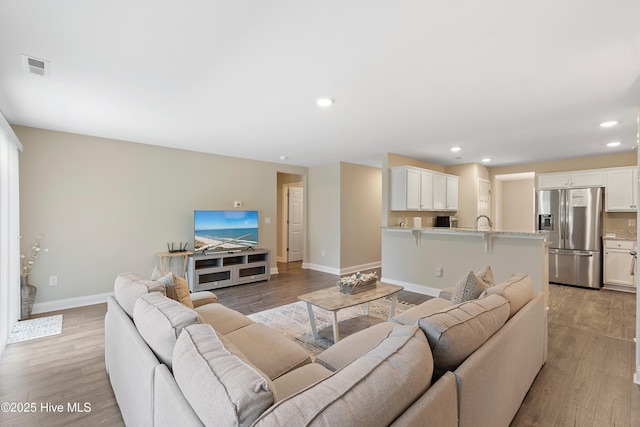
{"x": 471, "y": 231}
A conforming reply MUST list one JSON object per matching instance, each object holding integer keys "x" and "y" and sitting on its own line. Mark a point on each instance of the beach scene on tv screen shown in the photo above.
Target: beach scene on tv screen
{"x": 224, "y": 230}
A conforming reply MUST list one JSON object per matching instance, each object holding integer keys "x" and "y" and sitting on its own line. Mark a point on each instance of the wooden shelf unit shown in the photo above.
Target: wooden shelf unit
{"x": 227, "y": 268}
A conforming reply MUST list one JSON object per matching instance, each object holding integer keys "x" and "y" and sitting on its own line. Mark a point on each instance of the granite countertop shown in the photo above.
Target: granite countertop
{"x": 619, "y": 235}
{"x": 465, "y": 230}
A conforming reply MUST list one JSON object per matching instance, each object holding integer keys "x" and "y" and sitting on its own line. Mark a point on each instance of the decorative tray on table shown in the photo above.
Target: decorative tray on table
{"x": 358, "y": 283}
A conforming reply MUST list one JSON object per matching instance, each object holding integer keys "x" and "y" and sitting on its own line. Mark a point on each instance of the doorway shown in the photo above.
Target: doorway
{"x": 291, "y": 226}
{"x": 295, "y": 224}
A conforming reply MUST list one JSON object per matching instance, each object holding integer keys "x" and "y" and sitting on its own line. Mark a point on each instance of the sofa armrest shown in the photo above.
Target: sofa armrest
{"x": 427, "y": 308}
{"x": 170, "y": 408}
{"x": 446, "y": 293}
{"x": 203, "y": 297}
{"x": 354, "y": 346}
{"x": 437, "y": 407}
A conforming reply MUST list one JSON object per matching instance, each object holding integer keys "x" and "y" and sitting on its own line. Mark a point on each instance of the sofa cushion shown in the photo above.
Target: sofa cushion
{"x": 222, "y": 387}
{"x": 459, "y": 330}
{"x": 222, "y": 318}
{"x": 398, "y": 369}
{"x": 518, "y": 290}
{"x": 468, "y": 287}
{"x": 129, "y": 286}
{"x": 159, "y": 321}
{"x": 269, "y": 350}
{"x": 414, "y": 314}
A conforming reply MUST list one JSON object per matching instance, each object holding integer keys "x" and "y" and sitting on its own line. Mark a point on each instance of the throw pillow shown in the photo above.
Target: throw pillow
{"x": 175, "y": 287}
{"x": 486, "y": 275}
{"x": 181, "y": 288}
{"x": 157, "y": 273}
{"x": 468, "y": 288}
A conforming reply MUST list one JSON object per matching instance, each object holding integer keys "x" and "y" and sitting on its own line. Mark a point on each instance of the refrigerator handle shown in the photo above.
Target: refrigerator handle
{"x": 633, "y": 262}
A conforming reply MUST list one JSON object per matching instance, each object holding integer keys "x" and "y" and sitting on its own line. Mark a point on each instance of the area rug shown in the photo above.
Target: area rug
{"x": 293, "y": 321}
{"x": 31, "y": 329}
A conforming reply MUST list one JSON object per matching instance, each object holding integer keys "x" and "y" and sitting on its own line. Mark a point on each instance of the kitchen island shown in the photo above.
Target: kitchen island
{"x": 427, "y": 260}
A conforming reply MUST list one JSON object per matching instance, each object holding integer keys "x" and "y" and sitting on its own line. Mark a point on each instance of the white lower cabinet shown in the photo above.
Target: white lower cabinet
{"x": 620, "y": 269}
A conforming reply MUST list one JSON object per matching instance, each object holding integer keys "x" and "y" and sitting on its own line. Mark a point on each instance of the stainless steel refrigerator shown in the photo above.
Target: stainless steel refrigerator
{"x": 573, "y": 218}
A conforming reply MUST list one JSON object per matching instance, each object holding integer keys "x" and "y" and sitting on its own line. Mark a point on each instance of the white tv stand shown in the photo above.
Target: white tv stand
{"x": 219, "y": 269}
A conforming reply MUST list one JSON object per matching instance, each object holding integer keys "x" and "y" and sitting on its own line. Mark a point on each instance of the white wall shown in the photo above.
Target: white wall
{"x": 107, "y": 206}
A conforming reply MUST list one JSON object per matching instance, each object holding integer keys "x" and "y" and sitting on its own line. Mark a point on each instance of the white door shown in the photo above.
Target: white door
{"x": 295, "y": 225}
{"x": 484, "y": 203}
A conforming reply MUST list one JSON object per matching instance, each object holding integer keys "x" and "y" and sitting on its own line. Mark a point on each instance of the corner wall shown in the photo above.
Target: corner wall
{"x": 360, "y": 216}
{"x": 344, "y": 224}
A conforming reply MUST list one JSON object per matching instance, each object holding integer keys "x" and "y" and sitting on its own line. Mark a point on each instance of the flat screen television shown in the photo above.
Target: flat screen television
{"x": 224, "y": 230}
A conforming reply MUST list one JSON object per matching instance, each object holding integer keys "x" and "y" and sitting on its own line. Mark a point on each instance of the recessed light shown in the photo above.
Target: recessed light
{"x": 456, "y": 149}
{"x": 608, "y": 124}
{"x": 486, "y": 160}
{"x": 614, "y": 144}
{"x": 324, "y": 102}
{"x": 284, "y": 158}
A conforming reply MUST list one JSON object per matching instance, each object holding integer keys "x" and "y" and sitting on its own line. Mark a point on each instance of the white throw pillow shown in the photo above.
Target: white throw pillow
{"x": 486, "y": 275}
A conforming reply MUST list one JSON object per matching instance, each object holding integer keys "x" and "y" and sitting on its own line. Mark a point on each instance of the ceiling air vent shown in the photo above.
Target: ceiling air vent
{"x": 36, "y": 66}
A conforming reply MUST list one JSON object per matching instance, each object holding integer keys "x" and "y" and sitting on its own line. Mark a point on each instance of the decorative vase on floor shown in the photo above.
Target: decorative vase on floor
{"x": 28, "y": 296}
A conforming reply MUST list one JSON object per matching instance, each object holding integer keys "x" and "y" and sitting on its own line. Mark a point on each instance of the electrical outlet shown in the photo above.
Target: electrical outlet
{"x": 53, "y": 280}
{"x": 322, "y": 252}
{"x": 439, "y": 272}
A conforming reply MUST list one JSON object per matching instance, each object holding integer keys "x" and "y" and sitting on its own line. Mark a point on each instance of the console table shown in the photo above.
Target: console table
{"x": 219, "y": 269}
{"x": 166, "y": 257}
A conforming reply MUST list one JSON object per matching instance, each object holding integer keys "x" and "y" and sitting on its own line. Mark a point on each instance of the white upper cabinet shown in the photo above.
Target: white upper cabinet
{"x": 416, "y": 189}
{"x": 588, "y": 178}
{"x": 439, "y": 192}
{"x": 621, "y": 191}
{"x": 411, "y": 189}
{"x": 452, "y": 193}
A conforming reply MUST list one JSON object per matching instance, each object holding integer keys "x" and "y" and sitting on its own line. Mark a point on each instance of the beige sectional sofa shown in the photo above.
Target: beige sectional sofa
{"x": 436, "y": 364}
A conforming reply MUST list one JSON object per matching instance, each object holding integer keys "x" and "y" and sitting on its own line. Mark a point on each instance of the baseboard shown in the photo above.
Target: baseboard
{"x": 322, "y": 268}
{"x": 281, "y": 259}
{"x": 274, "y": 270}
{"x": 62, "y": 304}
{"x": 341, "y": 271}
{"x": 413, "y": 287}
{"x": 361, "y": 267}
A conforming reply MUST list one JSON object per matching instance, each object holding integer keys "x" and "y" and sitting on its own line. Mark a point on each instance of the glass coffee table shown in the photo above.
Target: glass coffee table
{"x": 331, "y": 299}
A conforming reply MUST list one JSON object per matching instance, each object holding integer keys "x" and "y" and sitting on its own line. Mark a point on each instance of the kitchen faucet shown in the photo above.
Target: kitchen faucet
{"x": 488, "y": 219}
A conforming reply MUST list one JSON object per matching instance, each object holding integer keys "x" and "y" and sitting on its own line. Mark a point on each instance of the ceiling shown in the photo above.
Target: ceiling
{"x": 516, "y": 82}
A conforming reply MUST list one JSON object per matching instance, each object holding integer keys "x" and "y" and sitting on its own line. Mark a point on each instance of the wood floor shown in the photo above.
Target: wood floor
{"x": 587, "y": 380}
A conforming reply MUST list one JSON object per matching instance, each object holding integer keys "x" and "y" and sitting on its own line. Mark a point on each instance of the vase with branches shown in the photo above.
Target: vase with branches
{"x": 27, "y": 290}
